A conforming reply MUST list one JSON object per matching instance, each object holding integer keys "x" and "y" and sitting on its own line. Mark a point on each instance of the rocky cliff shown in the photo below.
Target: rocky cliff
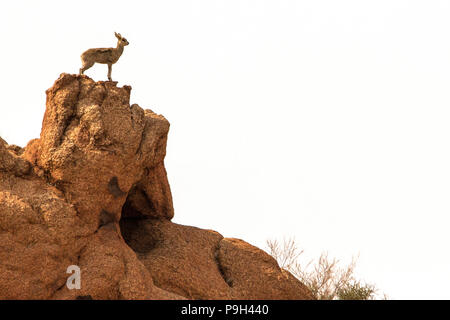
{"x": 92, "y": 191}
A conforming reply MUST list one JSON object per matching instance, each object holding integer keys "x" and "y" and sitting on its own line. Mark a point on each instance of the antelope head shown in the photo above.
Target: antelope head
{"x": 121, "y": 39}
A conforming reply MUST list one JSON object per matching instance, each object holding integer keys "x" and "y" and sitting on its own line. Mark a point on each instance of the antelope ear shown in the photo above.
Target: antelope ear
{"x": 118, "y": 36}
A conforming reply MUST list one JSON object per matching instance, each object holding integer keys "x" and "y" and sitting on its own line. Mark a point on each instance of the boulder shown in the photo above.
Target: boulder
{"x": 93, "y": 192}
{"x": 202, "y": 264}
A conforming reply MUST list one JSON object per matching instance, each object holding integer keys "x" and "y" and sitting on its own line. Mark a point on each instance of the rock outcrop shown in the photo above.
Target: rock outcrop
{"x": 92, "y": 191}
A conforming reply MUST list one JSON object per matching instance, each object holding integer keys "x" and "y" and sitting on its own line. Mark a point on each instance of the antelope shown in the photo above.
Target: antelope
{"x": 107, "y": 56}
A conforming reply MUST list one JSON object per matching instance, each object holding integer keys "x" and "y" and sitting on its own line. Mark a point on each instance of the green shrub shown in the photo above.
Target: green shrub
{"x": 356, "y": 291}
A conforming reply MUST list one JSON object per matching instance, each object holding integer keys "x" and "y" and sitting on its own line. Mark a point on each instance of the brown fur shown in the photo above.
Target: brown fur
{"x": 107, "y": 56}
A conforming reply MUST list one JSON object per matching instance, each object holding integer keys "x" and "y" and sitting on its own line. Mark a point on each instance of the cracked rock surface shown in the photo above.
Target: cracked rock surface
{"x": 93, "y": 192}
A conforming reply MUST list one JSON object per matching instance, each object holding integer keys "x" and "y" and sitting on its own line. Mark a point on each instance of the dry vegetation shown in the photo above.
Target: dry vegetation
{"x": 324, "y": 276}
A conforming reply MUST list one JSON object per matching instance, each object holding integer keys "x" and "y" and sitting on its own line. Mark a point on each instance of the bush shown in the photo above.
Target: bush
{"x": 356, "y": 291}
{"x": 326, "y": 279}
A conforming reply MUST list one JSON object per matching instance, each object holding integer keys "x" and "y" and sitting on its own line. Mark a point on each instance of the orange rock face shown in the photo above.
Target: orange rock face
{"x": 92, "y": 192}
{"x": 201, "y": 264}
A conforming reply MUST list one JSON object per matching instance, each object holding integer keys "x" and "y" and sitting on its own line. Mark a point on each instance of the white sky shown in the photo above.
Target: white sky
{"x": 323, "y": 120}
